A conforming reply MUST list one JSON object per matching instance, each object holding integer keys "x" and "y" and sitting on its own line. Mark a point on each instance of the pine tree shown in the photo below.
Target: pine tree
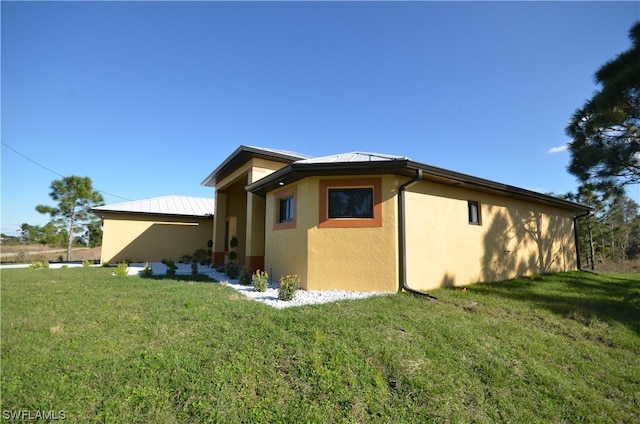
{"x": 75, "y": 197}
{"x": 605, "y": 146}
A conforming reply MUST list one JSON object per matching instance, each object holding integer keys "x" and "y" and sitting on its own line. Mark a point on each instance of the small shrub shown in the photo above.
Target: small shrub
{"x": 185, "y": 259}
{"x": 122, "y": 270}
{"x": 39, "y": 264}
{"x": 232, "y": 270}
{"x": 86, "y": 263}
{"x": 194, "y": 267}
{"x": 60, "y": 258}
{"x": 209, "y": 250}
{"x": 288, "y": 287}
{"x": 171, "y": 266}
{"x": 245, "y": 276}
{"x": 147, "y": 271}
{"x": 233, "y": 243}
{"x": 200, "y": 256}
{"x": 221, "y": 268}
{"x": 260, "y": 280}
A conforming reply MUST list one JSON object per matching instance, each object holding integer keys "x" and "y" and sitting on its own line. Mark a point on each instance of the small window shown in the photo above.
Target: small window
{"x": 474, "y": 212}
{"x": 351, "y": 202}
{"x": 286, "y": 209}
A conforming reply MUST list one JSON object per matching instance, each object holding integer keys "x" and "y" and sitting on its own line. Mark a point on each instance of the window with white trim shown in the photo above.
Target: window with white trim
{"x": 474, "y": 212}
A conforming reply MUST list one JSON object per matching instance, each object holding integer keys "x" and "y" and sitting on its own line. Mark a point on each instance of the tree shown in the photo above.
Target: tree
{"x": 620, "y": 217}
{"x": 588, "y": 196}
{"x": 93, "y": 235}
{"x": 605, "y": 145}
{"x": 75, "y": 197}
{"x": 50, "y": 234}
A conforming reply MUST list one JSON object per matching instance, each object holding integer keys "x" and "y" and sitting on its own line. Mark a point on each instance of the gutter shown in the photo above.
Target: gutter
{"x": 402, "y": 234}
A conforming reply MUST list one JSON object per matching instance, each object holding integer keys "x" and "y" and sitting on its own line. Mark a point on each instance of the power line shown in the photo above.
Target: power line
{"x": 31, "y": 160}
{"x": 54, "y": 172}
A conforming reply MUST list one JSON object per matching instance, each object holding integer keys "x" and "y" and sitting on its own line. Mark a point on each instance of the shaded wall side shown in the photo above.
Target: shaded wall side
{"x": 515, "y": 238}
{"x": 141, "y": 238}
{"x": 286, "y": 248}
{"x": 354, "y": 259}
{"x": 219, "y": 219}
{"x": 255, "y": 231}
{"x": 245, "y": 212}
{"x": 237, "y": 208}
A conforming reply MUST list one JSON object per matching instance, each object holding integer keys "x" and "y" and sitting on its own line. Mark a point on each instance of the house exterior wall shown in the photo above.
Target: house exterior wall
{"x": 243, "y": 211}
{"x": 514, "y": 238}
{"x": 141, "y": 238}
{"x": 286, "y": 249}
{"x": 354, "y": 258}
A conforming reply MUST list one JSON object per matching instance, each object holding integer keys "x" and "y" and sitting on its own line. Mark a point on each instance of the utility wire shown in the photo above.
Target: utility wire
{"x": 31, "y": 160}
{"x": 54, "y": 172}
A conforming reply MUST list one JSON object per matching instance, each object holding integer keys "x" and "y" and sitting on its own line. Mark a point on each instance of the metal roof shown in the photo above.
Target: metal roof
{"x": 353, "y": 157}
{"x": 166, "y": 205}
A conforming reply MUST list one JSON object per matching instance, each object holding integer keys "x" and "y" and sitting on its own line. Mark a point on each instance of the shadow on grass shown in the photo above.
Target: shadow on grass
{"x": 607, "y": 297}
{"x": 181, "y": 277}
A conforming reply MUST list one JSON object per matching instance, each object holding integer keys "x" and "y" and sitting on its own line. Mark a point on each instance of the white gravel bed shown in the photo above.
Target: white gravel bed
{"x": 268, "y": 297}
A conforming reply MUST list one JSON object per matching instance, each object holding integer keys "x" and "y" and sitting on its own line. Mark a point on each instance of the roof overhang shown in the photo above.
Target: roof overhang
{"x": 406, "y": 167}
{"x": 101, "y": 213}
{"x": 242, "y": 155}
{"x": 297, "y": 171}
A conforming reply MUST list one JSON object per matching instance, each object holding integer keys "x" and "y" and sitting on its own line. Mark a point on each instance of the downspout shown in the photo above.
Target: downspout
{"x": 577, "y": 237}
{"x": 402, "y": 234}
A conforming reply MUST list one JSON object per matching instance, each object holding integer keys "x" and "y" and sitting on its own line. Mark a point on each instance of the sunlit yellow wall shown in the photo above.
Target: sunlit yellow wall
{"x": 355, "y": 259}
{"x": 515, "y": 238}
{"x": 141, "y": 238}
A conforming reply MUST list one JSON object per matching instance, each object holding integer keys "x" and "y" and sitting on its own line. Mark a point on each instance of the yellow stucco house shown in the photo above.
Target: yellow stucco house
{"x": 150, "y": 230}
{"x": 372, "y": 222}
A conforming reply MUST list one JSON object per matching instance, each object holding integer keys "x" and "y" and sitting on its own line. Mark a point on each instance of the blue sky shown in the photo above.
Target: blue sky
{"x": 147, "y": 98}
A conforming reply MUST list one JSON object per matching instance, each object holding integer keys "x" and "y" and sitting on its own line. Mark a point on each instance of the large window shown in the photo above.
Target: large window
{"x": 351, "y": 202}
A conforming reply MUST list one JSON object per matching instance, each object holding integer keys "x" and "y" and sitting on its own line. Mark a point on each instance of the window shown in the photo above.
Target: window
{"x": 474, "y": 212}
{"x": 351, "y": 202}
{"x": 286, "y": 209}
{"x": 284, "y": 213}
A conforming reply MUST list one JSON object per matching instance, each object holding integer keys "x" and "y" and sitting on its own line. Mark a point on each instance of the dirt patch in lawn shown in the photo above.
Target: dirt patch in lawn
{"x": 26, "y": 254}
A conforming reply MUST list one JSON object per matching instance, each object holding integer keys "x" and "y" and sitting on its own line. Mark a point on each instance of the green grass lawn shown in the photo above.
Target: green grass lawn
{"x": 557, "y": 348}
